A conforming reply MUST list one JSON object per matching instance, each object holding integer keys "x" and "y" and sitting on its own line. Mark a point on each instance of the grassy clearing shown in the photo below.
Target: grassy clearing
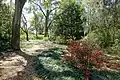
{"x": 33, "y": 37}
{"x": 30, "y": 43}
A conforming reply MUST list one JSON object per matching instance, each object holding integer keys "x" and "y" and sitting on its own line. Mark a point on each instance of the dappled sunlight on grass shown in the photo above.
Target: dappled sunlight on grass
{"x": 35, "y": 47}
{"x": 51, "y": 66}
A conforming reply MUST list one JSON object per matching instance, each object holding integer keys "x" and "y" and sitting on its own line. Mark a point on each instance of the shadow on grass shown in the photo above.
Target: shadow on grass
{"x": 52, "y": 74}
{"x": 54, "y": 53}
{"x": 51, "y": 67}
{"x": 105, "y": 75}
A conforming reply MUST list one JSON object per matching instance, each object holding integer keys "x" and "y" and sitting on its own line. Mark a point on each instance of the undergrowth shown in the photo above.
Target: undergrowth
{"x": 50, "y": 66}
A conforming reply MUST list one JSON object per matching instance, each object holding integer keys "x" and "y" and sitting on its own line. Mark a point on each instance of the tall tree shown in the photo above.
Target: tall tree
{"x": 36, "y": 23}
{"x": 16, "y": 24}
{"x": 46, "y": 7}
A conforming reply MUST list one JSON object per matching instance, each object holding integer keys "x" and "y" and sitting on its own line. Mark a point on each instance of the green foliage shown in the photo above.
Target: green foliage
{"x": 104, "y": 38}
{"x": 36, "y": 23}
{"x": 32, "y": 37}
{"x": 69, "y": 24}
{"x": 45, "y": 39}
{"x": 114, "y": 49}
{"x": 107, "y": 37}
{"x": 58, "y": 39}
{"x": 5, "y": 26}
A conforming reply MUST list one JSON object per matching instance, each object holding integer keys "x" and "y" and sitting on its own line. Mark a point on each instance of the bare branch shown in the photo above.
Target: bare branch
{"x": 24, "y": 20}
{"x": 24, "y": 17}
{"x": 23, "y": 29}
{"x": 40, "y": 8}
{"x": 53, "y": 20}
{"x": 50, "y": 23}
{"x": 53, "y": 9}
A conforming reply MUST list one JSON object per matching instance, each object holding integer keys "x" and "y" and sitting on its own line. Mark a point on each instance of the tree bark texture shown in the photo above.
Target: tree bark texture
{"x": 16, "y": 24}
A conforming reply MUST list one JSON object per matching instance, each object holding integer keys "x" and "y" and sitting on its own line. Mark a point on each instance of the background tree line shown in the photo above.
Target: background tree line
{"x": 62, "y": 20}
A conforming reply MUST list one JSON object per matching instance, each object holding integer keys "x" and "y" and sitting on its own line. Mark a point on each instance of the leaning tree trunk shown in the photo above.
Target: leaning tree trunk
{"x": 27, "y": 36}
{"x": 16, "y": 24}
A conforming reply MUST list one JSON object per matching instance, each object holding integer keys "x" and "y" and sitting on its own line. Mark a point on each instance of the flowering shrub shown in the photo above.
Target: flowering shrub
{"x": 82, "y": 56}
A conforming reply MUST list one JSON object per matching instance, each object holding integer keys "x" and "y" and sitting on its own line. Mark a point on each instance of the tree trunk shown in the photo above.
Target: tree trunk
{"x": 16, "y": 24}
{"x": 36, "y": 34}
{"x": 46, "y": 31}
{"x": 36, "y": 25}
{"x": 46, "y": 23}
{"x": 27, "y": 38}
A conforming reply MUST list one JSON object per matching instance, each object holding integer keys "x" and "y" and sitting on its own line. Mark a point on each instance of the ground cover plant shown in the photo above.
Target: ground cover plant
{"x": 51, "y": 66}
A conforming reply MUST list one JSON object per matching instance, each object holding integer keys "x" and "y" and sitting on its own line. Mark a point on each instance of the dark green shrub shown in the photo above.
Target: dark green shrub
{"x": 69, "y": 23}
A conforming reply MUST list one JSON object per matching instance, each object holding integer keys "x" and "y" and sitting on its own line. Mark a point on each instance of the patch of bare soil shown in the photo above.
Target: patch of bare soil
{"x": 17, "y": 66}
{"x": 21, "y": 66}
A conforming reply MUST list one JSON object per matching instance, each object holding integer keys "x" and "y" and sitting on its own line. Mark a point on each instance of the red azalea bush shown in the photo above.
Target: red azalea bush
{"x": 82, "y": 56}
